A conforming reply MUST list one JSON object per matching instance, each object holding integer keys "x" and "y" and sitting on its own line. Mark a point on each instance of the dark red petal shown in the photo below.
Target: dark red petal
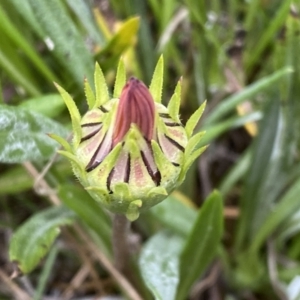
{"x": 136, "y": 106}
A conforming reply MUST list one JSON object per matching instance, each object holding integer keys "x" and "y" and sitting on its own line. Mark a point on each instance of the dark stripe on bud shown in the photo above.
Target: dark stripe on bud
{"x": 175, "y": 143}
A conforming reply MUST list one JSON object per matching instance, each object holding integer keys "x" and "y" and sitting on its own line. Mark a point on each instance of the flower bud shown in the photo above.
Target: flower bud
{"x": 130, "y": 152}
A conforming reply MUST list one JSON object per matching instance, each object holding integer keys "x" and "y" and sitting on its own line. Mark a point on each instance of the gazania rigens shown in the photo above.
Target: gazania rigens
{"x": 130, "y": 152}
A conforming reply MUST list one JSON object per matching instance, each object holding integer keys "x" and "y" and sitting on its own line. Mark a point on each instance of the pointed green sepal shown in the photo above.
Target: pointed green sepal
{"x": 122, "y": 190}
{"x": 194, "y": 119}
{"x": 188, "y": 162}
{"x": 132, "y": 212}
{"x": 61, "y": 141}
{"x": 102, "y": 95}
{"x": 120, "y": 79}
{"x": 193, "y": 142}
{"x": 158, "y": 190}
{"x": 74, "y": 113}
{"x": 89, "y": 94}
{"x": 111, "y": 159}
{"x": 73, "y": 160}
{"x": 174, "y": 104}
{"x": 157, "y": 81}
{"x": 160, "y": 159}
{"x": 100, "y": 192}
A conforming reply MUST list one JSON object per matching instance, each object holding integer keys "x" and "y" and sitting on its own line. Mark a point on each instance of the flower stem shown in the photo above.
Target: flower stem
{"x": 120, "y": 242}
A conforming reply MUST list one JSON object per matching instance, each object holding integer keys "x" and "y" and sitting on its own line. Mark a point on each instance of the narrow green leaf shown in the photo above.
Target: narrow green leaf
{"x": 157, "y": 81}
{"x": 247, "y": 93}
{"x": 15, "y": 67}
{"x": 46, "y": 273}
{"x": 89, "y": 211}
{"x": 7, "y": 27}
{"x": 49, "y": 105}
{"x": 23, "y": 135}
{"x": 32, "y": 240}
{"x": 202, "y": 243}
{"x": 159, "y": 263}
{"x": 269, "y": 33}
{"x": 251, "y": 202}
{"x": 100, "y": 86}
{"x": 194, "y": 119}
{"x": 120, "y": 79}
{"x": 281, "y": 212}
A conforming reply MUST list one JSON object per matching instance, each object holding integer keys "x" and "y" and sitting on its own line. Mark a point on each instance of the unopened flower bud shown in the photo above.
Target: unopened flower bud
{"x": 130, "y": 152}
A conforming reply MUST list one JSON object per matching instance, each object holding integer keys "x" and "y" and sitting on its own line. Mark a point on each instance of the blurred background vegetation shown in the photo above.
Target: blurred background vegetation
{"x": 240, "y": 55}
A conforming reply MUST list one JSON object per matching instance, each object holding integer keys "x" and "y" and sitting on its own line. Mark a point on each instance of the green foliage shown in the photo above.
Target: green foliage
{"x": 241, "y": 57}
{"x": 33, "y": 239}
{"x": 24, "y": 135}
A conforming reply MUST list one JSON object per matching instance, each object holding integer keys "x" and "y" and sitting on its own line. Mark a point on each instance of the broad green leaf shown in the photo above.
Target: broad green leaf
{"x": 49, "y": 105}
{"x": 23, "y": 135}
{"x": 159, "y": 262}
{"x": 175, "y": 214}
{"x": 77, "y": 199}
{"x": 15, "y": 180}
{"x": 84, "y": 12}
{"x": 32, "y": 240}
{"x": 68, "y": 44}
{"x": 202, "y": 243}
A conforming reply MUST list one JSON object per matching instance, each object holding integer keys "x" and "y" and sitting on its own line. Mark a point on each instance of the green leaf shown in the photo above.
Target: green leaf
{"x": 68, "y": 44}
{"x": 23, "y": 135}
{"x": 281, "y": 212}
{"x": 170, "y": 207}
{"x": 88, "y": 210}
{"x": 159, "y": 263}
{"x": 49, "y": 105}
{"x": 247, "y": 93}
{"x": 157, "y": 81}
{"x": 83, "y": 11}
{"x": 15, "y": 180}
{"x": 32, "y": 240}
{"x": 7, "y": 27}
{"x": 253, "y": 208}
{"x": 119, "y": 43}
{"x": 202, "y": 243}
